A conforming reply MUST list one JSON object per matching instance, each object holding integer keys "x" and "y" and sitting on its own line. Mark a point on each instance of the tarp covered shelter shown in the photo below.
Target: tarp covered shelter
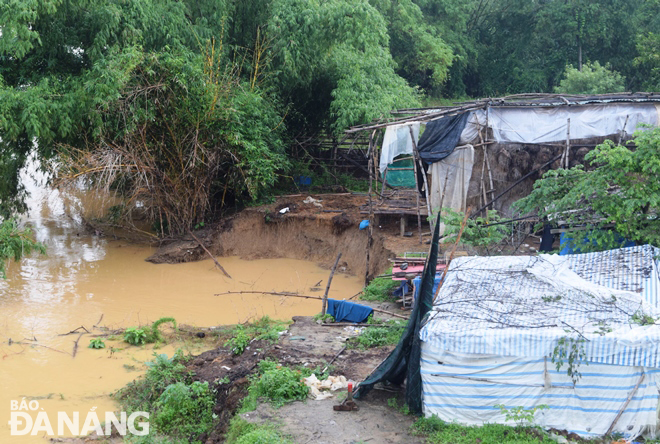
{"x": 502, "y": 140}
{"x": 497, "y": 322}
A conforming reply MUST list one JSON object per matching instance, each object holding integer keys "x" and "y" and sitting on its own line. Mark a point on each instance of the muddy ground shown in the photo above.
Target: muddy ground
{"x": 309, "y": 344}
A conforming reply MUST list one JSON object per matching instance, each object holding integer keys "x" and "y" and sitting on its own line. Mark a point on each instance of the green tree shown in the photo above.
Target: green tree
{"x": 648, "y": 46}
{"x": 593, "y": 79}
{"x": 620, "y": 196}
{"x": 333, "y": 63}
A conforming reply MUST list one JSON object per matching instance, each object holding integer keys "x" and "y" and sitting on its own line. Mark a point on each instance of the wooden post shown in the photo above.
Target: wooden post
{"x": 371, "y": 207}
{"x": 623, "y": 130}
{"x": 421, "y": 166}
{"x": 419, "y": 215}
{"x": 564, "y": 161}
{"x": 403, "y": 224}
{"x": 327, "y": 287}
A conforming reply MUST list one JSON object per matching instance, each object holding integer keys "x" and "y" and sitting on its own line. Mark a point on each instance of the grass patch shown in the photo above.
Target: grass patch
{"x": 437, "y": 431}
{"x": 380, "y": 289}
{"x": 243, "y": 432}
{"x": 278, "y": 384}
{"x": 326, "y": 318}
{"x": 264, "y": 328}
{"x": 388, "y": 334}
{"x": 181, "y": 410}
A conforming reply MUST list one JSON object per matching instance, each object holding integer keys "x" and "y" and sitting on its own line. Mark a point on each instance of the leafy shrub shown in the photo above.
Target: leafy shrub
{"x": 184, "y": 410}
{"x": 620, "y": 188}
{"x": 261, "y": 329}
{"x": 326, "y": 318}
{"x": 141, "y": 336}
{"x": 428, "y": 425}
{"x": 135, "y": 336}
{"x": 521, "y": 415}
{"x": 277, "y": 384}
{"x": 96, "y": 343}
{"x": 281, "y": 385}
{"x": 15, "y": 243}
{"x": 239, "y": 341}
{"x": 476, "y": 231}
{"x": 593, "y": 79}
{"x": 140, "y": 394}
{"x": 380, "y": 289}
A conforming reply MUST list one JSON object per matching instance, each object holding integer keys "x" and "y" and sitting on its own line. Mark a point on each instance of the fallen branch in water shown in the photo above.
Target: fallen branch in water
{"x": 39, "y": 345}
{"x": 74, "y": 331}
{"x": 75, "y": 345}
{"x": 295, "y": 295}
{"x": 99, "y": 321}
{"x": 217, "y": 264}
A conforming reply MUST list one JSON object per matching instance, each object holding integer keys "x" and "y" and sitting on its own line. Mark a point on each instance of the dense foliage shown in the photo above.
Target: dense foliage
{"x": 185, "y": 106}
{"x": 617, "y": 198}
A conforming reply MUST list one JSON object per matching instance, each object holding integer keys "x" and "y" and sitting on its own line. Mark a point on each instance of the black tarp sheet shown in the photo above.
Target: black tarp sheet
{"x": 441, "y": 137}
{"x": 404, "y": 361}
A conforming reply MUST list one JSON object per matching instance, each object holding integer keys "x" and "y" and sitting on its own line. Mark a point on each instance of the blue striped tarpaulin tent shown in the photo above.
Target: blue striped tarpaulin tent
{"x": 497, "y": 322}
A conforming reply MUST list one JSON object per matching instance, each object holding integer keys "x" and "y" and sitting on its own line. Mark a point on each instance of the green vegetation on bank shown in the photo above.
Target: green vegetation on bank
{"x": 262, "y": 329}
{"x": 16, "y": 242}
{"x": 380, "y": 289}
{"x": 243, "y": 432}
{"x": 180, "y": 409}
{"x": 388, "y": 334}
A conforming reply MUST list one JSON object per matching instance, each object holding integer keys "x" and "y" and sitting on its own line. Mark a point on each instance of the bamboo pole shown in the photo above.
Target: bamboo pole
{"x": 371, "y": 208}
{"x": 327, "y": 288}
{"x": 419, "y": 215}
{"x": 421, "y": 165}
{"x": 625, "y": 404}
{"x": 453, "y": 251}
{"x": 302, "y": 296}
{"x": 565, "y": 157}
{"x": 623, "y": 130}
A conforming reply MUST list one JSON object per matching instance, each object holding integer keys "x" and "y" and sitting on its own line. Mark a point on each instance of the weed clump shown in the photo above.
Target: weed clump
{"x": 438, "y": 431}
{"x": 380, "y": 289}
{"x": 184, "y": 410}
{"x": 141, "y": 336}
{"x": 262, "y": 329}
{"x": 278, "y": 384}
{"x": 388, "y": 334}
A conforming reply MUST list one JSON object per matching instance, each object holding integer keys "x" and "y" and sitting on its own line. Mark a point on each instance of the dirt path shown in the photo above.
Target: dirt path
{"x": 317, "y": 422}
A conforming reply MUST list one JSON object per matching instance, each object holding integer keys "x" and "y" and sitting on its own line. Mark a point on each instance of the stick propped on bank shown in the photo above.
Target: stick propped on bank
{"x": 304, "y": 296}
{"x": 217, "y": 264}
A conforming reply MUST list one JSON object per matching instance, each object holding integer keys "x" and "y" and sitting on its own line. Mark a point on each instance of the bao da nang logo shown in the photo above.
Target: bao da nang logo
{"x": 27, "y": 418}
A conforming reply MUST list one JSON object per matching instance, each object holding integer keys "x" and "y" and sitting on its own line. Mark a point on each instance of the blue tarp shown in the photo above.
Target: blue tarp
{"x": 346, "y": 311}
{"x": 417, "y": 282}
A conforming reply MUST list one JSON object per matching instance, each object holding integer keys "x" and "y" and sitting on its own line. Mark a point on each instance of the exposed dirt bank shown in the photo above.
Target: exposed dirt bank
{"x": 317, "y": 231}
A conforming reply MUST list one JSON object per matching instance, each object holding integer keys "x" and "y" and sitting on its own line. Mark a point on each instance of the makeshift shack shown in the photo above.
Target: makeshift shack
{"x": 488, "y": 153}
{"x": 500, "y": 326}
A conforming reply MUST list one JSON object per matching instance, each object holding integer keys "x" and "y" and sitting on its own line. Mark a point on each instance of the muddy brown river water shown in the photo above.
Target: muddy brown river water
{"x": 85, "y": 276}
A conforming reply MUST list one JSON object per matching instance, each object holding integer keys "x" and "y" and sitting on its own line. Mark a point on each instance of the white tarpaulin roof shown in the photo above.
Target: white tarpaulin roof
{"x": 522, "y": 306}
{"x": 527, "y": 124}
